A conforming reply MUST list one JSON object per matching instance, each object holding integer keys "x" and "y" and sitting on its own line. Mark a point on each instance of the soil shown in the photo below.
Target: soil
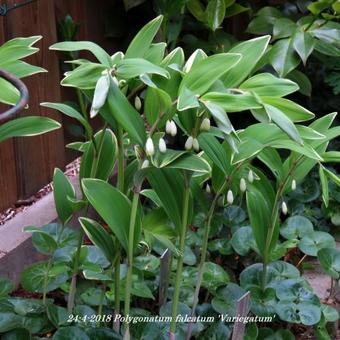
{"x": 72, "y": 169}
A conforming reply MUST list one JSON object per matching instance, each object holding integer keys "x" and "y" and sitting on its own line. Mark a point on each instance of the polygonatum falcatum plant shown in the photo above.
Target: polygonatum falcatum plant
{"x": 170, "y": 177}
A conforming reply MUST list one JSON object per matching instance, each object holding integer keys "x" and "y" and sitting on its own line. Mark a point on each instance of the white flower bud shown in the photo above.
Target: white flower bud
{"x": 138, "y": 103}
{"x": 251, "y": 176}
{"x": 122, "y": 83}
{"x": 173, "y": 131}
{"x": 162, "y": 145}
{"x": 149, "y": 147}
{"x": 293, "y": 184}
{"x": 145, "y": 164}
{"x": 230, "y": 197}
{"x": 243, "y": 185}
{"x": 205, "y": 125}
{"x": 284, "y": 208}
{"x": 100, "y": 94}
{"x": 195, "y": 144}
{"x": 188, "y": 143}
{"x": 168, "y": 127}
{"x": 208, "y": 189}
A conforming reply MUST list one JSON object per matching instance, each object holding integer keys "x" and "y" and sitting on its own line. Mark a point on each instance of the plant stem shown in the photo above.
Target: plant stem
{"x": 128, "y": 286}
{"x": 273, "y": 219}
{"x": 180, "y": 258}
{"x": 72, "y": 293}
{"x": 120, "y": 186}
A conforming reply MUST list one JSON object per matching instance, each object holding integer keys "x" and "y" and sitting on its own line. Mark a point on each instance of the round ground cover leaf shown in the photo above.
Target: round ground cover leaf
{"x": 96, "y": 333}
{"x": 312, "y": 243}
{"x": 214, "y": 276}
{"x": 296, "y": 227}
{"x": 70, "y": 333}
{"x": 32, "y": 278}
{"x": 330, "y": 261}
{"x": 252, "y": 276}
{"x": 305, "y": 313}
{"x": 6, "y": 286}
{"x": 27, "y": 306}
{"x": 17, "y": 334}
{"x": 263, "y": 302}
{"x": 281, "y": 334}
{"x": 285, "y": 270}
{"x": 9, "y": 321}
{"x": 234, "y": 215}
{"x": 308, "y": 191}
{"x": 225, "y": 300}
{"x": 217, "y": 331}
{"x": 243, "y": 240}
{"x": 296, "y": 290}
{"x": 221, "y": 245}
{"x": 330, "y": 313}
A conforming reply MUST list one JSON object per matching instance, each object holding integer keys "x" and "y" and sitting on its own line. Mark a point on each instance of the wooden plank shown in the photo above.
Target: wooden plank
{"x": 8, "y": 180}
{"x": 242, "y": 310}
{"x": 37, "y": 157}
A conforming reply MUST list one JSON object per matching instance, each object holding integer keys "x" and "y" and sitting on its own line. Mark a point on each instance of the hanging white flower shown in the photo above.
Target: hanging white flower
{"x": 205, "y": 125}
{"x": 293, "y": 184}
{"x": 230, "y": 197}
{"x": 149, "y": 147}
{"x": 138, "y": 103}
{"x": 145, "y": 164}
{"x": 251, "y": 176}
{"x": 168, "y": 127}
{"x": 208, "y": 189}
{"x": 243, "y": 185}
{"x": 162, "y": 145}
{"x": 195, "y": 144}
{"x": 284, "y": 208}
{"x": 173, "y": 131}
{"x": 100, "y": 94}
{"x": 188, "y": 143}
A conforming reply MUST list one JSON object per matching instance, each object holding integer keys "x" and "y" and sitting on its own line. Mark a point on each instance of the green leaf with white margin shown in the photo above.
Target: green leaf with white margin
{"x": 283, "y": 57}
{"x": 332, "y": 176}
{"x": 260, "y": 217}
{"x": 251, "y": 51}
{"x": 142, "y": 41}
{"x": 293, "y": 111}
{"x": 330, "y": 261}
{"x": 9, "y": 94}
{"x": 157, "y": 102}
{"x": 197, "y": 56}
{"x": 220, "y": 117}
{"x": 27, "y": 126}
{"x": 232, "y": 102}
{"x": 205, "y": 72}
{"x": 126, "y": 115}
{"x": 97, "y": 51}
{"x": 283, "y": 28}
{"x": 187, "y": 100}
{"x": 215, "y": 151}
{"x": 283, "y": 122}
{"x": 312, "y": 243}
{"x": 106, "y": 156}
{"x": 156, "y": 227}
{"x": 117, "y": 216}
{"x": 324, "y": 185}
{"x": 265, "y": 84}
{"x": 191, "y": 162}
{"x": 168, "y": 185}
{"x": 134, "y": 67}
{"x": 84, "y": 76}
{"x": 214, "y": 13}
{"x": 70, "y": 112}
{"x": 21, "y": 69}
{"x": 303, "y": 44}
{"x": 331, "y": 156}
{"x": 99, "y": 237}
{"x": 62, "y": 189}
{"x": 305, "y": 86}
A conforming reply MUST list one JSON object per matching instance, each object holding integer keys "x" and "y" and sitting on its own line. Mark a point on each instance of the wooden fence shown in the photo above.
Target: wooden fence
{"x": 26, "y": 164}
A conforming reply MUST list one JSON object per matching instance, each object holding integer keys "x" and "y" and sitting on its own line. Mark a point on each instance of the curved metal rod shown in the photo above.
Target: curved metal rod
{"x": 20, "y": 105}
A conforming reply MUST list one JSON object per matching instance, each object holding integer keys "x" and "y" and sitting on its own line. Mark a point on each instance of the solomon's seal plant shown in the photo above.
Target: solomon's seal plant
{"x": 170, "y": 177}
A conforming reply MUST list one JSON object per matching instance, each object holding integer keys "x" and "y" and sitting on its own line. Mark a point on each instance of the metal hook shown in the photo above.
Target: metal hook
{"x": 20, "y": 105}
{"x": 4, "y": 8}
